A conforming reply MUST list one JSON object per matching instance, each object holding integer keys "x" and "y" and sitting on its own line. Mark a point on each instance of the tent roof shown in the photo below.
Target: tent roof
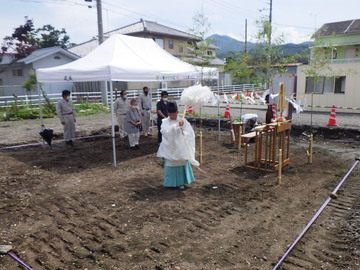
{"x": 122, "y": 58}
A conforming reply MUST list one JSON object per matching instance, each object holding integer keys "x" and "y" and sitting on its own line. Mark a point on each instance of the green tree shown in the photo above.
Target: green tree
{"x": 200, "y": 29}
{"x": 240, "y": 68}
{"x": 263, "y": 60}
{"x": 48, "y": 36}
{"x": 321, "y": 53}
{"x": 20, "y": 42}
{"x": 27, "y": 39}
{"x": 31, "y": 83}
{"x": 200, "y": 49}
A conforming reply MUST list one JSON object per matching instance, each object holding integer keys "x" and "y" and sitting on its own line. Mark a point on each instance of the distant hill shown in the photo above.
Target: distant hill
{"x": 229, "y": 46}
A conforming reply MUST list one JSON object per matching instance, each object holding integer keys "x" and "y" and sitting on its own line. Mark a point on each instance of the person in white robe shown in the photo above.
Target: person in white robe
{"x": 177, "y": 149}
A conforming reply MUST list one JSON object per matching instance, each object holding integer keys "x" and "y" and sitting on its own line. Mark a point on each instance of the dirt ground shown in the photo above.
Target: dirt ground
{"x": 65, "y": 208}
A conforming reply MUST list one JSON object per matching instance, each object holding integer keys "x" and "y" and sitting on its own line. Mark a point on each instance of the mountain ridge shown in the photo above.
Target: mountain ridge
{"x": 229, "y": 46}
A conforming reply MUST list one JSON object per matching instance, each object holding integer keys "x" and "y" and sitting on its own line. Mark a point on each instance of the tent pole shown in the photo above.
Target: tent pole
{"x": 112, "y": 119}
{"x": 42, "y": 127}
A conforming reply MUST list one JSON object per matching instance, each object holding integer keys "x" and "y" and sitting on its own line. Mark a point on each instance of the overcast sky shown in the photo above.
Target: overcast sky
{"x": 297, "y": 20}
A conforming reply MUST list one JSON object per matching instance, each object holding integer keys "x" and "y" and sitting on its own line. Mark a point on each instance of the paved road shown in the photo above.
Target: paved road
{"x": 26, "y": 131}
{"x": 319, "y": 117}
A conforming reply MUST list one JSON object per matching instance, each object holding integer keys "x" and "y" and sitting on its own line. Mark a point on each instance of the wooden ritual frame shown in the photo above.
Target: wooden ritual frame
{"x": 268, "y": 141}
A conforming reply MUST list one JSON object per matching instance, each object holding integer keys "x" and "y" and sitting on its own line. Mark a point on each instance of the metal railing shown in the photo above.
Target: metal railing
{"x": 21, "y": 100}
{"x": 175, "y": 93}
{"x": 96, "y": 97}
{"x": 344, "y": 61}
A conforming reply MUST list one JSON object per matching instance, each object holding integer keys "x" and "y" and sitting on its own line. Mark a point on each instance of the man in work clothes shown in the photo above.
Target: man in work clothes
{"x": 66, "y": 112}
{"x": 121, "y": 106}
{"x": 145, "y": 110}
{"x": 162, "y": 112}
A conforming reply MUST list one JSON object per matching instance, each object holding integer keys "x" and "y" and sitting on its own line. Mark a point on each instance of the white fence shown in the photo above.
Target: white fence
{"x": 96, "y": 97}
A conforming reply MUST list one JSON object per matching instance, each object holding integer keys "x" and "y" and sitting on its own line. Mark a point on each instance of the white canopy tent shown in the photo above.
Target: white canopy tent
{"x": 121, "y": 58}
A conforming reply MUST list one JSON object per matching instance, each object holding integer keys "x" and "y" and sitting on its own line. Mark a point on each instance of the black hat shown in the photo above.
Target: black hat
{"x": 172, "y": 107}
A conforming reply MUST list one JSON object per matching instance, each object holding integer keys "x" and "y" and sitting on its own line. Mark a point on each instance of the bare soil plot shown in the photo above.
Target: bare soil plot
{"x": 71, "y": 209}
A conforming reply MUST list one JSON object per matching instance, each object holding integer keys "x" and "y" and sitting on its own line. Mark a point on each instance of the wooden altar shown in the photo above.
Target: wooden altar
{"x": 268, "y": 141}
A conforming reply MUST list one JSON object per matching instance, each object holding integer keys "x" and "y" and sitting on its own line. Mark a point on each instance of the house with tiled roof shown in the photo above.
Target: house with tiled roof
{"x": 333, "y": 76}
{"x": 15, "y": 72}
{"x": 172, "y": 40}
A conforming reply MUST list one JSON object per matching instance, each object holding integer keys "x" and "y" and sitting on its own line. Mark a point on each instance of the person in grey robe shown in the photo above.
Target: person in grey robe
{"x": 121, "y": 106}
{"x": 133, "y": 124}
{"x": 66, "y": 112}
{"x": 145, "y": 110}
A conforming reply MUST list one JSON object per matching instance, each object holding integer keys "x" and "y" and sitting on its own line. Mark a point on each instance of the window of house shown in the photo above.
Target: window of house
{"x": 329, "y": 85}
{"x": 314, "y": 85}
{"x": 17, "y": 72}
{"x": 340, "y": 84}
{"x": 210, "y": 53}
{"x": 171, "y": 44}
{"x": 325, "y": 85}
{"x": 1, "y": 81}
{"x": 160, "y": 42}
{"x": 57, "y": 57}
{"x": 334, "y": 54}
{"x": 181, "y": 48}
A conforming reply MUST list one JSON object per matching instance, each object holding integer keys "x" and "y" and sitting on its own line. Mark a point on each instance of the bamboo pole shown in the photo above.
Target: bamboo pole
{"x": 200, "y": 147}
{"x": 280, "y": 168}
{"x": 310, "y": 151}
{"x": 239, "y": 137}
{"x": 282, "y": 103}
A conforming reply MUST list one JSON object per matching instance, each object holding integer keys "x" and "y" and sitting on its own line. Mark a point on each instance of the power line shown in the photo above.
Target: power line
{"x": 143, "y": 15}
{"x": 232, "y": 8}
{"x": 300, "y": 27}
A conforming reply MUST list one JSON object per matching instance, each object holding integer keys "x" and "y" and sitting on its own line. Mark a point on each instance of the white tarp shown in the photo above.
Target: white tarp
{"x": 122, "y": 58}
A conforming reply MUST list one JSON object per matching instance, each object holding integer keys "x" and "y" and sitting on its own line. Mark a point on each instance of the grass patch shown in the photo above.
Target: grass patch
{"x": 16, "y": 110}
{"x": 90, "y": 108}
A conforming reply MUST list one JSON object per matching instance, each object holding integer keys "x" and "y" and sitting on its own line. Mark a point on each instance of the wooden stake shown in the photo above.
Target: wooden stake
{"x": 280, "y": 168}
{"x": 310, "y": 151}
{"x": 185, "y": 108}
{"x": 200, "y": 147}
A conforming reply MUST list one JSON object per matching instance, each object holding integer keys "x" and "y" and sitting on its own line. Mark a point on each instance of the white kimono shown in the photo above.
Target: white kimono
{"x": 178, "y": 145}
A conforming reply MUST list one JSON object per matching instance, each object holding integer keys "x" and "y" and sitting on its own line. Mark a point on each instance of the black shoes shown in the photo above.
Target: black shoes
{"x": 70, "y": 143}
{"x": 137, "y": 146}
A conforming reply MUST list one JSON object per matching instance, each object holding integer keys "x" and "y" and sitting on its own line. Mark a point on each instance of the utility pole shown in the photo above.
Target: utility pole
{"x": 270, "y": 20}
{"x": 245, "y": 47}
{"x": 103, "y": 87}
{"x": 100, "y": 21}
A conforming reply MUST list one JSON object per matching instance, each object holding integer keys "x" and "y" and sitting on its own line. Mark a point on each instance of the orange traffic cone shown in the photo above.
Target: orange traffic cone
{"x": 227, "y": 111}
{"x": 332, "y": 119}
{"x": 191, "y": 110}
{"x": 274, "y": 112}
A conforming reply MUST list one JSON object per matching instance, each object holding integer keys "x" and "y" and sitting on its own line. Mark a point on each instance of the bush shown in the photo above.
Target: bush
{"x": 16, "y": 111}
{"x": 90, "y": 108}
